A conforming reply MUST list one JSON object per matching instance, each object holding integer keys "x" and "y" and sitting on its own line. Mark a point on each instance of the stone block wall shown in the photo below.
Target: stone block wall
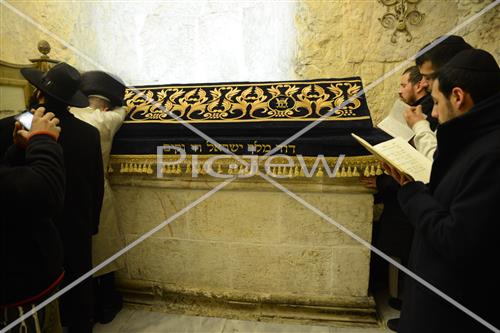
{"x": 157, "y": 42}
{"x": 345, "y": 38}
{"x": 248, "y": 238}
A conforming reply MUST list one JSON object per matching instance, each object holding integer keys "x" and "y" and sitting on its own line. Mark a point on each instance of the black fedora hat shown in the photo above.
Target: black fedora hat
{"x": 61, "y": 82}
{"x": 103, "y": 84}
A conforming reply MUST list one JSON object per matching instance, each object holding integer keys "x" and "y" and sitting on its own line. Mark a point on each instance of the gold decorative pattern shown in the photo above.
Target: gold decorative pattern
{"x": 248, "y": 102}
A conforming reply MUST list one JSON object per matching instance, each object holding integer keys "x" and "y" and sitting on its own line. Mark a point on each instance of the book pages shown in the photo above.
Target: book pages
{"x": 395, "y": 124}
{"x": 402, "y": 156}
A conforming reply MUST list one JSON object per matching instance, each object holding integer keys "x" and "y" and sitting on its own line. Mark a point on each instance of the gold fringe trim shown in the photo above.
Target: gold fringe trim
{"x": 354, "y": 166}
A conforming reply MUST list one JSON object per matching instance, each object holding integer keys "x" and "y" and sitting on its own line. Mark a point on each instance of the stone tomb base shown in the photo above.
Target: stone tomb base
{"x": 249, "y": 251}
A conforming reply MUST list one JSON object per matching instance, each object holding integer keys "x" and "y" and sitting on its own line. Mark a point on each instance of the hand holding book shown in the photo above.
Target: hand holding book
{"x": 401, "y": 157}
{"x": 400, "y": 177}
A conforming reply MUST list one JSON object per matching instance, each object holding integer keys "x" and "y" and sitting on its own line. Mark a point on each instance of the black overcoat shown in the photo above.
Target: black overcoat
{"x": 31, "y": 193}
{"x": 79, "y": 219}
{"x": 395, "y": 234}
{"x": 455, "y": 246}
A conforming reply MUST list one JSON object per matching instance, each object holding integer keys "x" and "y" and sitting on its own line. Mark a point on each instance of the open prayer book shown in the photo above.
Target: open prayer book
{"x": 402, "y": 156}
{"x": 395, "y": 124}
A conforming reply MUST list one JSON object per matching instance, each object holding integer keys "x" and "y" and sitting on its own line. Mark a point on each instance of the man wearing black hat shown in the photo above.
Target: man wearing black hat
{"x": 106, "y": 113}
{"x": 56, "y": 90}
{"x": 455, "y": 245}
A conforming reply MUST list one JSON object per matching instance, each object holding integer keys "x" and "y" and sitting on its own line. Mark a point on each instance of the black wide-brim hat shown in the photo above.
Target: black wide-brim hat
{"x": 103, "y": 84}
{"x": 61, "y": 82}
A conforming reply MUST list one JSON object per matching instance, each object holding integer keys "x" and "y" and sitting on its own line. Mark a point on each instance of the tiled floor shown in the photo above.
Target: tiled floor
{"x": 141, "y": 321}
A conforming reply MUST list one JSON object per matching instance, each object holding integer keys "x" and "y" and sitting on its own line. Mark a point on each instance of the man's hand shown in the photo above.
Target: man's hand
{"x": 401, "y": 178}
{"x": 45, "y": 122}
{"x": 414, "y": 115}
{"x": 20, "y": 136}
{"x": 369, "y": 182}
{"x": 41, "y": 123}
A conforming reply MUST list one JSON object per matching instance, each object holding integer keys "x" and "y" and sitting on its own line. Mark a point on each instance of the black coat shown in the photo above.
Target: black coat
{"x": 79, "y": 219}
{"x": 31, "y": 193}
{"x": 455, "y": 246}
{"x": 393, "y": 234}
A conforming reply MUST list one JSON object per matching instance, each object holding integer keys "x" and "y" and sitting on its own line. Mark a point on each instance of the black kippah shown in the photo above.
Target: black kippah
{"x": 452, "y": 39}
{"x": 475, "y": 60}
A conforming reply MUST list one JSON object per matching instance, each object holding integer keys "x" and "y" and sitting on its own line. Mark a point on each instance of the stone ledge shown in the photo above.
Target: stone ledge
{"x": 334, "y": 185}
{"x": 337, "y": 311}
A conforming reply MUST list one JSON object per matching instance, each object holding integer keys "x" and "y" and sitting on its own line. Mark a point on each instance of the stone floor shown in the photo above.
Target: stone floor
{"x": 142, "y": 321}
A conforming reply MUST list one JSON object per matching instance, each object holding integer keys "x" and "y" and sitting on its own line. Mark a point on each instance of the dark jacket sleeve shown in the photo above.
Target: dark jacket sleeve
{"x": 6, "y": 128}
{"x": 14, "y": 156}
{"x": 458, "y": 232}
{"x": 38, "y": 185}
{"x": 98, "y": 186}
{"x": 387, "y": 188}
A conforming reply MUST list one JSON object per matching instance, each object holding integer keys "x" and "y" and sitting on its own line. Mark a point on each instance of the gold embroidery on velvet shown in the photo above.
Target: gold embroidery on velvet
{"x": 251, "y": 102}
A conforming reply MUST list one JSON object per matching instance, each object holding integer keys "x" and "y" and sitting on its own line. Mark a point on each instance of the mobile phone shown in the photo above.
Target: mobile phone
{"x": 25, "y": 119}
